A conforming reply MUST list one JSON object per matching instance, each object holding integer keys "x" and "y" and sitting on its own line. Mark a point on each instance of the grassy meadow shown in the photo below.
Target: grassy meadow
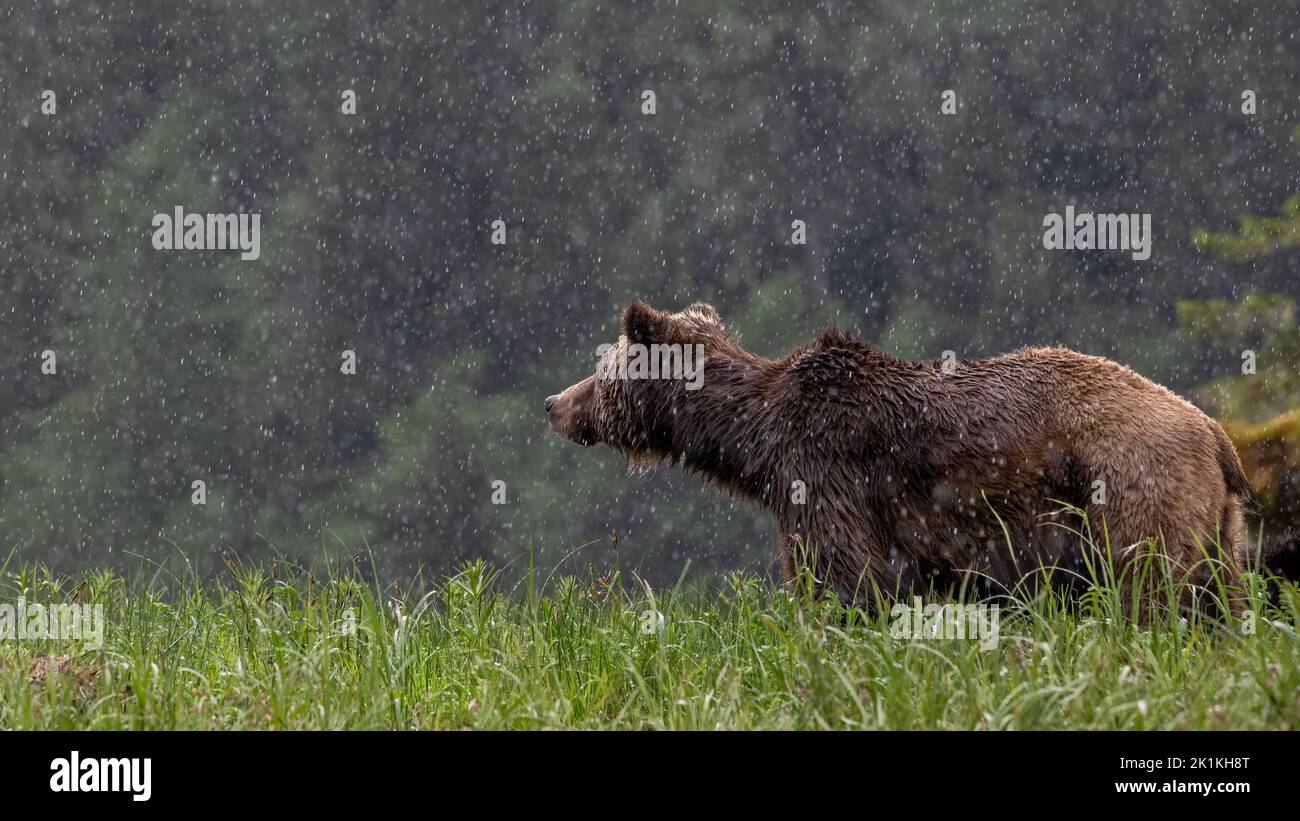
{"x": 270, "y": 648}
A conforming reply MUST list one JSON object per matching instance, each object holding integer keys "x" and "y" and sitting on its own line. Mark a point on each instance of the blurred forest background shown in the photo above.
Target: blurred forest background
{"x": 925, "y": 234}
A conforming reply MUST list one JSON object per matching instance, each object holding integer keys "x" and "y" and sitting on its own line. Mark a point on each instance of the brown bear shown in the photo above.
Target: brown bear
{"x": 887, "y": 476}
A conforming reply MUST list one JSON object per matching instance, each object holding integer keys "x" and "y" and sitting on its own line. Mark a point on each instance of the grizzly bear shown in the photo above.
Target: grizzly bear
{"x": 887, "y": 476}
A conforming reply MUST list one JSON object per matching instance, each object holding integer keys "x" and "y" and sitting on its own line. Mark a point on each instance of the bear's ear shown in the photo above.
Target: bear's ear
{"x": 705, "y": 311}
{"x": 643, "y": 324}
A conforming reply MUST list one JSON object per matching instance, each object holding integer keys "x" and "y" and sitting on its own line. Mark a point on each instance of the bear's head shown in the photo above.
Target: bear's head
{"x": 640, "y": 383}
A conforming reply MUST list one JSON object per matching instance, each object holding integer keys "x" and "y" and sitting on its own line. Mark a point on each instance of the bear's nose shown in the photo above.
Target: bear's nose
{"x": 550, "y": 402}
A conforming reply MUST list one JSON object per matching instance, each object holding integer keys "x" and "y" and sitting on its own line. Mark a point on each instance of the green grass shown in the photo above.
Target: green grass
{"x": 252, "y": 651}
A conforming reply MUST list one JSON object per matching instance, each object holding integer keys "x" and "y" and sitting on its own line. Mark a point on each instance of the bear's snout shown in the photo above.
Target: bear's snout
{"x": 569, "y": 412}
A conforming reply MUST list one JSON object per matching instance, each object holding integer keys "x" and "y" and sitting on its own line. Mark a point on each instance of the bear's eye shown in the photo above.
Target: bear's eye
{"x": 606, "y": 366}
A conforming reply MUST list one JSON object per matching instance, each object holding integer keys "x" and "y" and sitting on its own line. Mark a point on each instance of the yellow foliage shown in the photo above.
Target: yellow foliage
{"x": 1270, "y": 452}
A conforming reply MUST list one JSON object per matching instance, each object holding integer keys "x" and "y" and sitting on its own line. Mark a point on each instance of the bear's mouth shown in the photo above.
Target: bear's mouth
{"x": 569, "y": 433}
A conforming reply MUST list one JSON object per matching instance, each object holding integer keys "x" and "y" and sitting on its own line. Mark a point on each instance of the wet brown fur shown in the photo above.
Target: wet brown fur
{"x": 915, "y": 478}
